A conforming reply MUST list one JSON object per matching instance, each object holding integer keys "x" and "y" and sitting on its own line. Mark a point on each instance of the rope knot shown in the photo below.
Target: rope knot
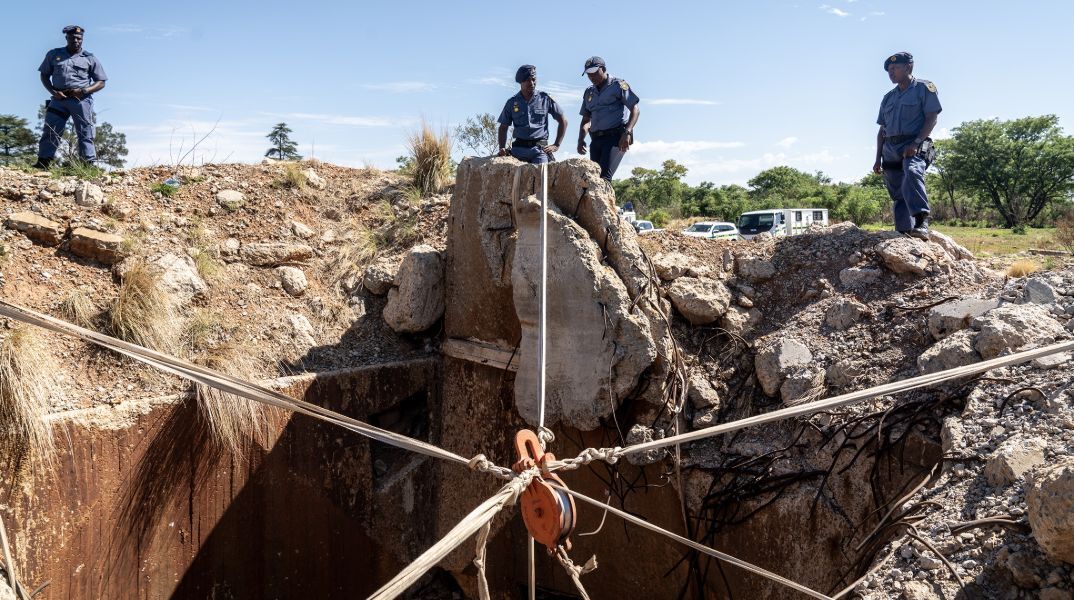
{"x": 546, "y": 436}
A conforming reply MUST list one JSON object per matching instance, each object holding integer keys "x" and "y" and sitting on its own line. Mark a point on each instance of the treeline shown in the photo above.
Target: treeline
{"x": 988, "y": 173}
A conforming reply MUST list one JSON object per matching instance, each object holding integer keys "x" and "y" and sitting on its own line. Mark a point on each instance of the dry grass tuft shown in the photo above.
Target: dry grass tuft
{"x": 142, "y": 313}
{"x": 292, "y": 178}
{"x": 27, "y": 387}
{"x": 348, "y": 264}
{"x": 1021, "y": 268}
{"x": 430, "y": 156}
{"x": 78, "y": 308}
{"x": 233, "y": 420}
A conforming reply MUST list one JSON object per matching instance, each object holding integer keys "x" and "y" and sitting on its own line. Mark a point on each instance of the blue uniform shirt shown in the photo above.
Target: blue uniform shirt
{"x": 607, "y": 107}
{"x": 530, "y": 119}
{"x": 903, "y": 112}
{"x": 67, "y": 71}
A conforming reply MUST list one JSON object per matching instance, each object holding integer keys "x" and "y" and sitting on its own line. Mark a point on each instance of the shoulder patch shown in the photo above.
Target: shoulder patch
{"x": 930, "y": 86}
{"x": 624, "y": 85}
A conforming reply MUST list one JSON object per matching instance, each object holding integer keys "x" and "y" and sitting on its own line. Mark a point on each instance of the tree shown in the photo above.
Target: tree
{"x": 282, "y": 146}
{"x": 110, "y": 144}
{"x": 780, "y": 185}
{"x": 1020, "y": 167}
{"x": 649, "y": 189}
{"x": 480, "y": 134}
{"x": 17, "y": 141}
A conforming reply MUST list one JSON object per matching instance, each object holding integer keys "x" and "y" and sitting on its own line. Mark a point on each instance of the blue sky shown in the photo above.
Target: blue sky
{"x": 727, "y": 88}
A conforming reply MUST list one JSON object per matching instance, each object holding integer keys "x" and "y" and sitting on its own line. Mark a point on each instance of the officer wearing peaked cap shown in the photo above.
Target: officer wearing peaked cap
{"x": 609, "y": 113}
{"x": 71, "y": 75}
{"x": 528, "y": 112}
{"x": 904, "y": 149}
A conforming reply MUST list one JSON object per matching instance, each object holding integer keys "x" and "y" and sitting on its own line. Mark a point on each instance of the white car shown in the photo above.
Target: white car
{"x": 645, "y": 227}
{"x": 713, "y": 230}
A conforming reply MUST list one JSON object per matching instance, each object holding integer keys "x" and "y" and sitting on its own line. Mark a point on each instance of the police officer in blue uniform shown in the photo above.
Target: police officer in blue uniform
{"x": 903, "y": 147}
{"x": 528, "y": 112}
{"x": 609, "y": 113}
{"x": 71, "y": 75}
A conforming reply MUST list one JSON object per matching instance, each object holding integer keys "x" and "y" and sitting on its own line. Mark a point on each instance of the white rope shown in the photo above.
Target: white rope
{"x": 479, "y": 562}
{"x": 836, "y": 401}
{"x": 233, "y": 385}
{"x": 467, "y": 527}
{"x": 542, "y": 318}
{"x": 696, "y": 546}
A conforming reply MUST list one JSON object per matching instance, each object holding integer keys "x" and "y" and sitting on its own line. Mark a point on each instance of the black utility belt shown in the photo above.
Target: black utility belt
{"x": 618, "y": 131}
{"x": 898, "y": 139}
{"x": 529, "y": 143}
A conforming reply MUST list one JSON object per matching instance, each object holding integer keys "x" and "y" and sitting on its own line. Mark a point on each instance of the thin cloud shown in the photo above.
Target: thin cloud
{"x": 190, "y": 107}
{"x": 681, "y": 102}
{"x": 348, "y": 120}
{"x": 831, "y": 10}
{"x": 153, "y": 33}
{"x": 559, "y": 88}
{"x": 787, "y": 142}
{"x": 400, "y": 87}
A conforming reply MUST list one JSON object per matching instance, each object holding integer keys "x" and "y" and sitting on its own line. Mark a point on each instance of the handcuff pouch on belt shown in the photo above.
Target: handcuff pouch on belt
{"x": 927, "y": 151}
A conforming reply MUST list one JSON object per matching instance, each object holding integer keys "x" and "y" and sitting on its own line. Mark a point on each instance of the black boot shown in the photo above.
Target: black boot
{"x": 921, "y": 226}
{"x": 43, "y": 163}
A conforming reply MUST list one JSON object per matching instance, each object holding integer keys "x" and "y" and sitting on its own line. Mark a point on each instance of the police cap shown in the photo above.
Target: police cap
{"x": 525, "y": 73}
{"x": 593, "y": 64}
{"x": 899, "y": 58}
{"x": 73, "y": 29}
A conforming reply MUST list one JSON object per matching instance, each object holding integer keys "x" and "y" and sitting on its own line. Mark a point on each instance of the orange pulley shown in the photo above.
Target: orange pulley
{"x": 550, "y": 514}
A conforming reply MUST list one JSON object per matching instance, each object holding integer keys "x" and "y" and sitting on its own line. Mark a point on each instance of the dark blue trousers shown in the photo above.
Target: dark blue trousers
{"x": 56, "y": 114}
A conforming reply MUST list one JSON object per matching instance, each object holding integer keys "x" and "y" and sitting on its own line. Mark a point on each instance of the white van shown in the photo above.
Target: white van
{"x": 780, "y": 221}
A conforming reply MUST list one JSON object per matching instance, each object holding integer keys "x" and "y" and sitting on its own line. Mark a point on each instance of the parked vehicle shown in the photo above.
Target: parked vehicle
{"x": 627, "y": 212}
{"x": 781, "y": 221}
{"x": 645, "y": 227}
{"x": 713, "y": 230}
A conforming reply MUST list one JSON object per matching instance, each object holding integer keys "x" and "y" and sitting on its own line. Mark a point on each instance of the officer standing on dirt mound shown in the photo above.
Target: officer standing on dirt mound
{"x": 903, "y": 147}
{"x": 528, "y": 112}
{"x": 609, "y": 113}
{"x": 71, "y": 75}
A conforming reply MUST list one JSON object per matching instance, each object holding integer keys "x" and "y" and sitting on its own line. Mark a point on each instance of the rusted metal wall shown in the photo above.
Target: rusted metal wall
{"x": 140, "y": 505}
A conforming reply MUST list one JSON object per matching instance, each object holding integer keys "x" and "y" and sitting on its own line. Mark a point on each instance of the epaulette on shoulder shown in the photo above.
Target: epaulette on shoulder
{"x": 87, "y": 54}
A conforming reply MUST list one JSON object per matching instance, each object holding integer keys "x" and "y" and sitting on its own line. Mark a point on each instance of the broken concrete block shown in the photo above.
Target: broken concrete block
{"x": 1013, "y": 326}
{"x": 853, "y": 277}
{"x": 274, "y": 254}
{"x": 1051, "y": 509}
{"x": 950, "y": 317}
{"x": 417, "y": 301}
{"x": 700, "y": 301}
{"x": 844, "y": 313}
{"x": 1012, "y": 459}
{"x": 777, "y": 359}
{"x": 955, "y": 350}
{"x": 907, "y": 255}
{"x": 1037, "y": 291}
{"x": 755, "y": 270}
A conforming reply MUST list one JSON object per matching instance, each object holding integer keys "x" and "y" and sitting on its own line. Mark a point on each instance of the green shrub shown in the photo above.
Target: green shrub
{"x": 1019, "y": 229}
{"x": 164, "y": 189}
{"x": 659, "y": 217}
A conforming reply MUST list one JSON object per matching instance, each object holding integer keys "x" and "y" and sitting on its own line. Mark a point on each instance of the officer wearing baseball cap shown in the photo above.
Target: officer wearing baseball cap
{"x": 904, "y": 149}
{"x": 71, "y": 75}
{"x": 609, "y": 113}
{"x": 528, "y": 112}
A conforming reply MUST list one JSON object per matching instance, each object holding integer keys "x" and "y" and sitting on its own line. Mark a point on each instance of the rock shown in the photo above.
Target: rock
{"x": 610, "y": 345}
{"x": 844, "y": 313}
{"x": 1037, "y": 291}
{"x": 919, "y": 590}
{"x": 229, "y": 250}
{"x": 1012, "y": 459}
{"x": 701, "y": 393}
{"x": 929, "y": 563}
{"x": 301, "y": 230}
{"x": 230, "y": 200}
{"x": 292, "y": 279}
{"x": 699, "y": 301}
{"x": 1050, "y": 593}
{"x": 672, "y": 265}
{"x": 952, "y": 436}
{"x": 1012, "y": 326}
{"x": 843, "y": 373}
{"x": 706, "y": 418}
{"x": 273, "y": 254}
{"x": 755, "y": 270}
{"x": 314, "y": 180}
{"x": 1022, "y": 567}
{"x": 121, "y": 212}
{"x": 179, "y": 279}
{"x": 102, "y": 247}
{"x": 1051, "y": 361}
{"x": 417, "y": 301}
{"x": 1050, "y": 497}
{"x": 853, "y": 277}
{"x": 801, "y": 385}
{"x": 950, "y": 317}
{"x": 953, "y": 248}
{"x": 774, "y": 361}
{"x": 299, "y": 330}
{"x": 738, "y": 321}
{"x": 907, "y": 255}
{"x": 955, "y": 350}
{"x": 36, "y": 227}
{"x": 88, "y": 194}
{"x": 640, "y": 434}
{"x": 380, "y": 276}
